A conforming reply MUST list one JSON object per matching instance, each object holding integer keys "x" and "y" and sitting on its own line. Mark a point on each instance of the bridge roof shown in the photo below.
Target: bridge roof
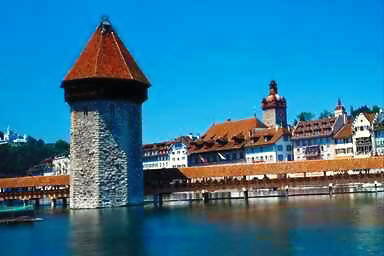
{"x": 33, "y": 181}
{"x": 282, "y": 168}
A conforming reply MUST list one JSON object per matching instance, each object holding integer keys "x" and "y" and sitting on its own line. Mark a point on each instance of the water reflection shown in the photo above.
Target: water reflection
{"x": 107, "y": 232}
{"x": 351, "y": 224}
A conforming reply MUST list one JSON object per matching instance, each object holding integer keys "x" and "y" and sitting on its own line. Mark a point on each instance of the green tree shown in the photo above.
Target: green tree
{"x": 17, "y": 159}
{"x": 365, "y": 108}
{"x": 303, "y": 116}
{"x": 325, "y": 114}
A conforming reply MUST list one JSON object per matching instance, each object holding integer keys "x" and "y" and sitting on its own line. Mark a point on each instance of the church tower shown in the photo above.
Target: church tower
{"x": 274, "y": 108}
{"x": 105, "y": 90}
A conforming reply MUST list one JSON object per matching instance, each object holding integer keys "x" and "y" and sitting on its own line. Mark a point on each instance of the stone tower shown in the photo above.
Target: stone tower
{"x": 105, "y": 90}
{"x": 274, "y": 108}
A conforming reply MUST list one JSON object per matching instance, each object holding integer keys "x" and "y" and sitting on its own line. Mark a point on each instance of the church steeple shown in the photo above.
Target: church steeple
{"x": 340, "y": 110}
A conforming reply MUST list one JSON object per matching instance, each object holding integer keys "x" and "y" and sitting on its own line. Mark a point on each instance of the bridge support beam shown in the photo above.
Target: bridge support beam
{"x": 245, "y": 193}
{"x": 65, "y": 202}
{"x": 330, "y": 189}
{"x": 205, "y": 196}
{"x": 37, "y": 202}
{"x": 158, "y": 199}
{"x": 53, "y": 202}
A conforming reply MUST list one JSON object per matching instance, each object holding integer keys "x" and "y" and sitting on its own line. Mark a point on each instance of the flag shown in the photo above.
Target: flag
{"x": 221, "y": 156}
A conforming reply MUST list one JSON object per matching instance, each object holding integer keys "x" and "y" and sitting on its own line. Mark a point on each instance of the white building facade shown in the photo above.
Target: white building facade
{"x": 343, "y": 142}
{"x": 314, "y": 140}
{"x": 269, "y": 146}
{"x": 11, "y": 136}
{"x": 363, "y": 135}
{"x": 169, "y": 154}
{"x": 61, "y": 165}
{"x": 379, "y": 134}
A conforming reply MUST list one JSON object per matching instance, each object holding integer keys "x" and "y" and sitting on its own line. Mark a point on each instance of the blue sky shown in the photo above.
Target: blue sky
{"x": 207, "y": 60}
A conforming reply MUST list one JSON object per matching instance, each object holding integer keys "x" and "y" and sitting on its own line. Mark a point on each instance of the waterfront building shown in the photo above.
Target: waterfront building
{"x": 44, "y": 168}
{"x": 10, "y": 136}
{"x": 269, "y": 145}
{"x": 167, "y": 154}
{"x": 363, "y": 134}
{"x": 61, "y": 165}
{"x": 314, "y": 139}
{"x": 248, "y": 140}
{"x": 223, "y": 142}
{"x": 105, "y": 90}
{"x": 378, "y": 128}
{"x": 343, "y": 141}
{"x": 54, "y": 166}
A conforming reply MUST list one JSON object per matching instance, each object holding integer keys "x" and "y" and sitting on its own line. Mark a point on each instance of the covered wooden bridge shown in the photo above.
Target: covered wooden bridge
{"x": 217, "y": 177}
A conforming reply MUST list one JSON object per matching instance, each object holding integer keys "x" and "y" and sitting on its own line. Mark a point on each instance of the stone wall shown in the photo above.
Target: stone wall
{"x": 275, "y": 116}
{"x": 106, "y": 159}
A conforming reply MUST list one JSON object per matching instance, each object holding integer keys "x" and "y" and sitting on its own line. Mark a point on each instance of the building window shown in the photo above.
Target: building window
{"x": 279, "y": 147}
{"x": 280, "y": 157}
{"x": 289, "y": 157}
{"x": 289, "y": 147}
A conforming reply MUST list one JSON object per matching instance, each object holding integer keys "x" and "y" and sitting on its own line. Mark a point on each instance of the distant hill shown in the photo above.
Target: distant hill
{"x": 16, "y": 159}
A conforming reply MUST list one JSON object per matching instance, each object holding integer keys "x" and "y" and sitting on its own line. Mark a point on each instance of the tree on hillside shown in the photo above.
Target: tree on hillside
{"x": 325, "y": 114}
{"x": 303, "y": 116}
{"x": 365, "y": 108}
{"x": 17, "y": 159}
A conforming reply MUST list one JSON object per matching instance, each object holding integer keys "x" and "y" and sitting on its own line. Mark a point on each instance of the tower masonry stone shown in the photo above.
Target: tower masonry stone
{"x": 106, "y": 154}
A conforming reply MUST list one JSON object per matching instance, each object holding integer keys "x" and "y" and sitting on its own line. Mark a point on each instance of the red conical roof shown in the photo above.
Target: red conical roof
{"x": 105, "y": 56}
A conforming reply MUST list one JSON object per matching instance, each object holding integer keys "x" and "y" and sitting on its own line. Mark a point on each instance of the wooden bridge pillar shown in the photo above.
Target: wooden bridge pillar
{"x": 245, "y": 192}
{"x": 37, "y": 202}
{"x": 9, "y": 202}
{"x": 53, "y": 202}
{"x": 330, "y": 189}
{"x": 158, "y": 199}
{"x": 65, "y": 202}
{"x": 205, "y": 196}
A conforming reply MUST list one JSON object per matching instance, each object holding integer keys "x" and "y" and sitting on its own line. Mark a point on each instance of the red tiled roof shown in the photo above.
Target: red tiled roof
{"x": 226, "y": 136}
{"x": 370, "y": 116}
{"x": 230, "y": 129}
{"x": 266, "y": 136}
{"x": 165, "y": 146}
{"x": 314, "y": 128}
{"x": 345, "y": 131}
{"x": 105, "y": 56}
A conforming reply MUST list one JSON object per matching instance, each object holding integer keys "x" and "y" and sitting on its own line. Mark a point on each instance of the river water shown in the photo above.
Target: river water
{"x": 350, "y": 224}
